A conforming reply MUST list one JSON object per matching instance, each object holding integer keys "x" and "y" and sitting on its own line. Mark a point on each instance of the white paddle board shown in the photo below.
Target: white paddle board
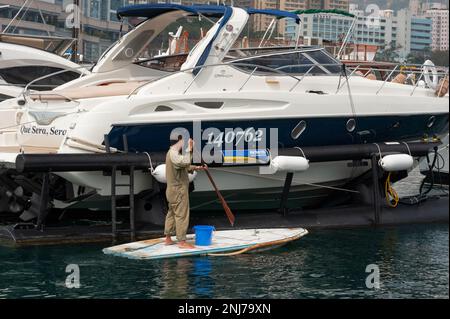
{"x": 225, "y": 241}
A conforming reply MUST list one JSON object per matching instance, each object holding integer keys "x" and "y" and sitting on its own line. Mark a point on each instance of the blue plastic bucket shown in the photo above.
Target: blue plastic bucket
{"x": 203, "y": 235}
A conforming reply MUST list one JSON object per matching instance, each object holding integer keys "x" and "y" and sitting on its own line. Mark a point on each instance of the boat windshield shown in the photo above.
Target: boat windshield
{"x": 285, "y": 59}
{"x": 152, "y": 46}
{"x": 301, "y": 61}
{"x": 23, "y": 75}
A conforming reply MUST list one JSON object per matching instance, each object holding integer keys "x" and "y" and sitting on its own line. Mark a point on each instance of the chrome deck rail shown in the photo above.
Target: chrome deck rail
{"x": 398, "y": 68}
{"x": 412, "y": 69}
{"x": 277, "y": 71}
{"x": 26, "y": 90}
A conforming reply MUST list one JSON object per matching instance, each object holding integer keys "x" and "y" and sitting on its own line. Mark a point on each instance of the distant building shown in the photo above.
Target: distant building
{"x": 329, "y": 4}
{"x": 386, "y": 30}
{"x": 32, "y": 22}
{"x": 440, "y": 25}
{"x": 421, "y": 34}
{"x": 325, "y": 26}
{"x": 415, "y": 6}
{"x": 261, "y": 23}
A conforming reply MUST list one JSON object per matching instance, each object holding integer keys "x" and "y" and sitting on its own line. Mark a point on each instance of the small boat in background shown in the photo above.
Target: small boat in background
{"x": 224, "y": 243}
{"x": 28, "y": 59}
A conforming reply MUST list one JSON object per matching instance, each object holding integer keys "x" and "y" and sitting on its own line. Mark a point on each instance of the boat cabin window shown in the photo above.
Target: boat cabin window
{"x": 22, "y": 75}
{"x": 167, "y": 63}
{"x": 298, "y": 62}
{"x": 4, "y": 97}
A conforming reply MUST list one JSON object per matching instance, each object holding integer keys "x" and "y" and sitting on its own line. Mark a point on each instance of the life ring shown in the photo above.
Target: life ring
{"x": 429, "y": 69}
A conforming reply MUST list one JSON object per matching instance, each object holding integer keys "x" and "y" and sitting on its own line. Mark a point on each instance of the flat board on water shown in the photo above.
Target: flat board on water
{"x": 222, "y": 242}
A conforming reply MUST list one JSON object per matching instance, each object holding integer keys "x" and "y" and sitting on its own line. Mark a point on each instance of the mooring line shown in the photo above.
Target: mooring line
{"x": 296, "y": 184}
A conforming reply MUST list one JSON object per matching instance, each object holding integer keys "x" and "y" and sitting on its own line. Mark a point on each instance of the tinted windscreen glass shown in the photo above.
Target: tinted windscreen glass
{"x": 292, "y": 63}
{"x": 289, "y": 63}
{"x": 22, "y": 75}
{"x": 328, "y": 62}
{"x": 4, "y": 97}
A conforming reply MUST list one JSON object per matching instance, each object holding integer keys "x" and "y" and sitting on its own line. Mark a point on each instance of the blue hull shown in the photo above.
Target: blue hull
{"x": 318, "y": 132}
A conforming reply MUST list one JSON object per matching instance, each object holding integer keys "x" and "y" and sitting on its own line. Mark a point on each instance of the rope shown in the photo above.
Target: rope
{"x": 392, "y": 197}
{"x": 379, "y": 150}
{"x": 303, "y": 183}
{"x": 407, "y": 146}
{"x": 150, "y": 162}
{"x": 299, "y": 148}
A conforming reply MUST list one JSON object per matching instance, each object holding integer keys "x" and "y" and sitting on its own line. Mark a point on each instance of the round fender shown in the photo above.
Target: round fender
{"x": 289, "y": 164}
{"x": 159, "y": 173}
{"x": 396, "y": 162}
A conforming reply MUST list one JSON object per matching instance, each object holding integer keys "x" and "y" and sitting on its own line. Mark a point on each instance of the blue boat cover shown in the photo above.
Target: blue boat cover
{"x": 152, "y": 10}
{"x": 278, "y": 13}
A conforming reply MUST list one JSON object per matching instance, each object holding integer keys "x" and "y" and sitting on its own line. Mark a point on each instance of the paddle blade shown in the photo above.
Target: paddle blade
{"x": 228, "y": 211}
{"x": 225, "y": 206}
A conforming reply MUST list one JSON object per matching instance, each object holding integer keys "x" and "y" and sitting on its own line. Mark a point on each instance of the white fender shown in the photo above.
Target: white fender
{"x": 429, "y": 69}
{"x": 289, "y": 164}
{"x": 396, "y": 162}
{"x": 159, "y": 173}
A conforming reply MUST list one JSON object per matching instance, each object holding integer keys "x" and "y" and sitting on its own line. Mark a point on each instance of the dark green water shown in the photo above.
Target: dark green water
{"x": 413, "y": 263}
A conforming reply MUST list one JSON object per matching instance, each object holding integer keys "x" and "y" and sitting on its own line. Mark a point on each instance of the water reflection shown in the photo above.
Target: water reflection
{"x": 183, "y": 277}
{"x": 413, "y": 262}
{"x": 203, "y": 282}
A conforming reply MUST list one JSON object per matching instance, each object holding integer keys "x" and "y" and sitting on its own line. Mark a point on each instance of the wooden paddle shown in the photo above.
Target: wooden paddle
{"x": 225, "y": 206}
{"x": 227, "y": 209}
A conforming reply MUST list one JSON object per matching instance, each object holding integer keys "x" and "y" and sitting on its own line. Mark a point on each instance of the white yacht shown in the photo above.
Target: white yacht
{"x": 21, "y": 64}
{"x": 300, "y": 97}
{"x": 119, "y": 71}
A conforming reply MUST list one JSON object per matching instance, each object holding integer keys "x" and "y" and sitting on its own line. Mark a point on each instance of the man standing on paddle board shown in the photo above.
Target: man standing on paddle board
{"x": 178, "y": 165}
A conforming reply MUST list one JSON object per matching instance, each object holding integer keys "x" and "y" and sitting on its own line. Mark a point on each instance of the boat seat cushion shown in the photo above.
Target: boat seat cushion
{"x": 111, "y": 89}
